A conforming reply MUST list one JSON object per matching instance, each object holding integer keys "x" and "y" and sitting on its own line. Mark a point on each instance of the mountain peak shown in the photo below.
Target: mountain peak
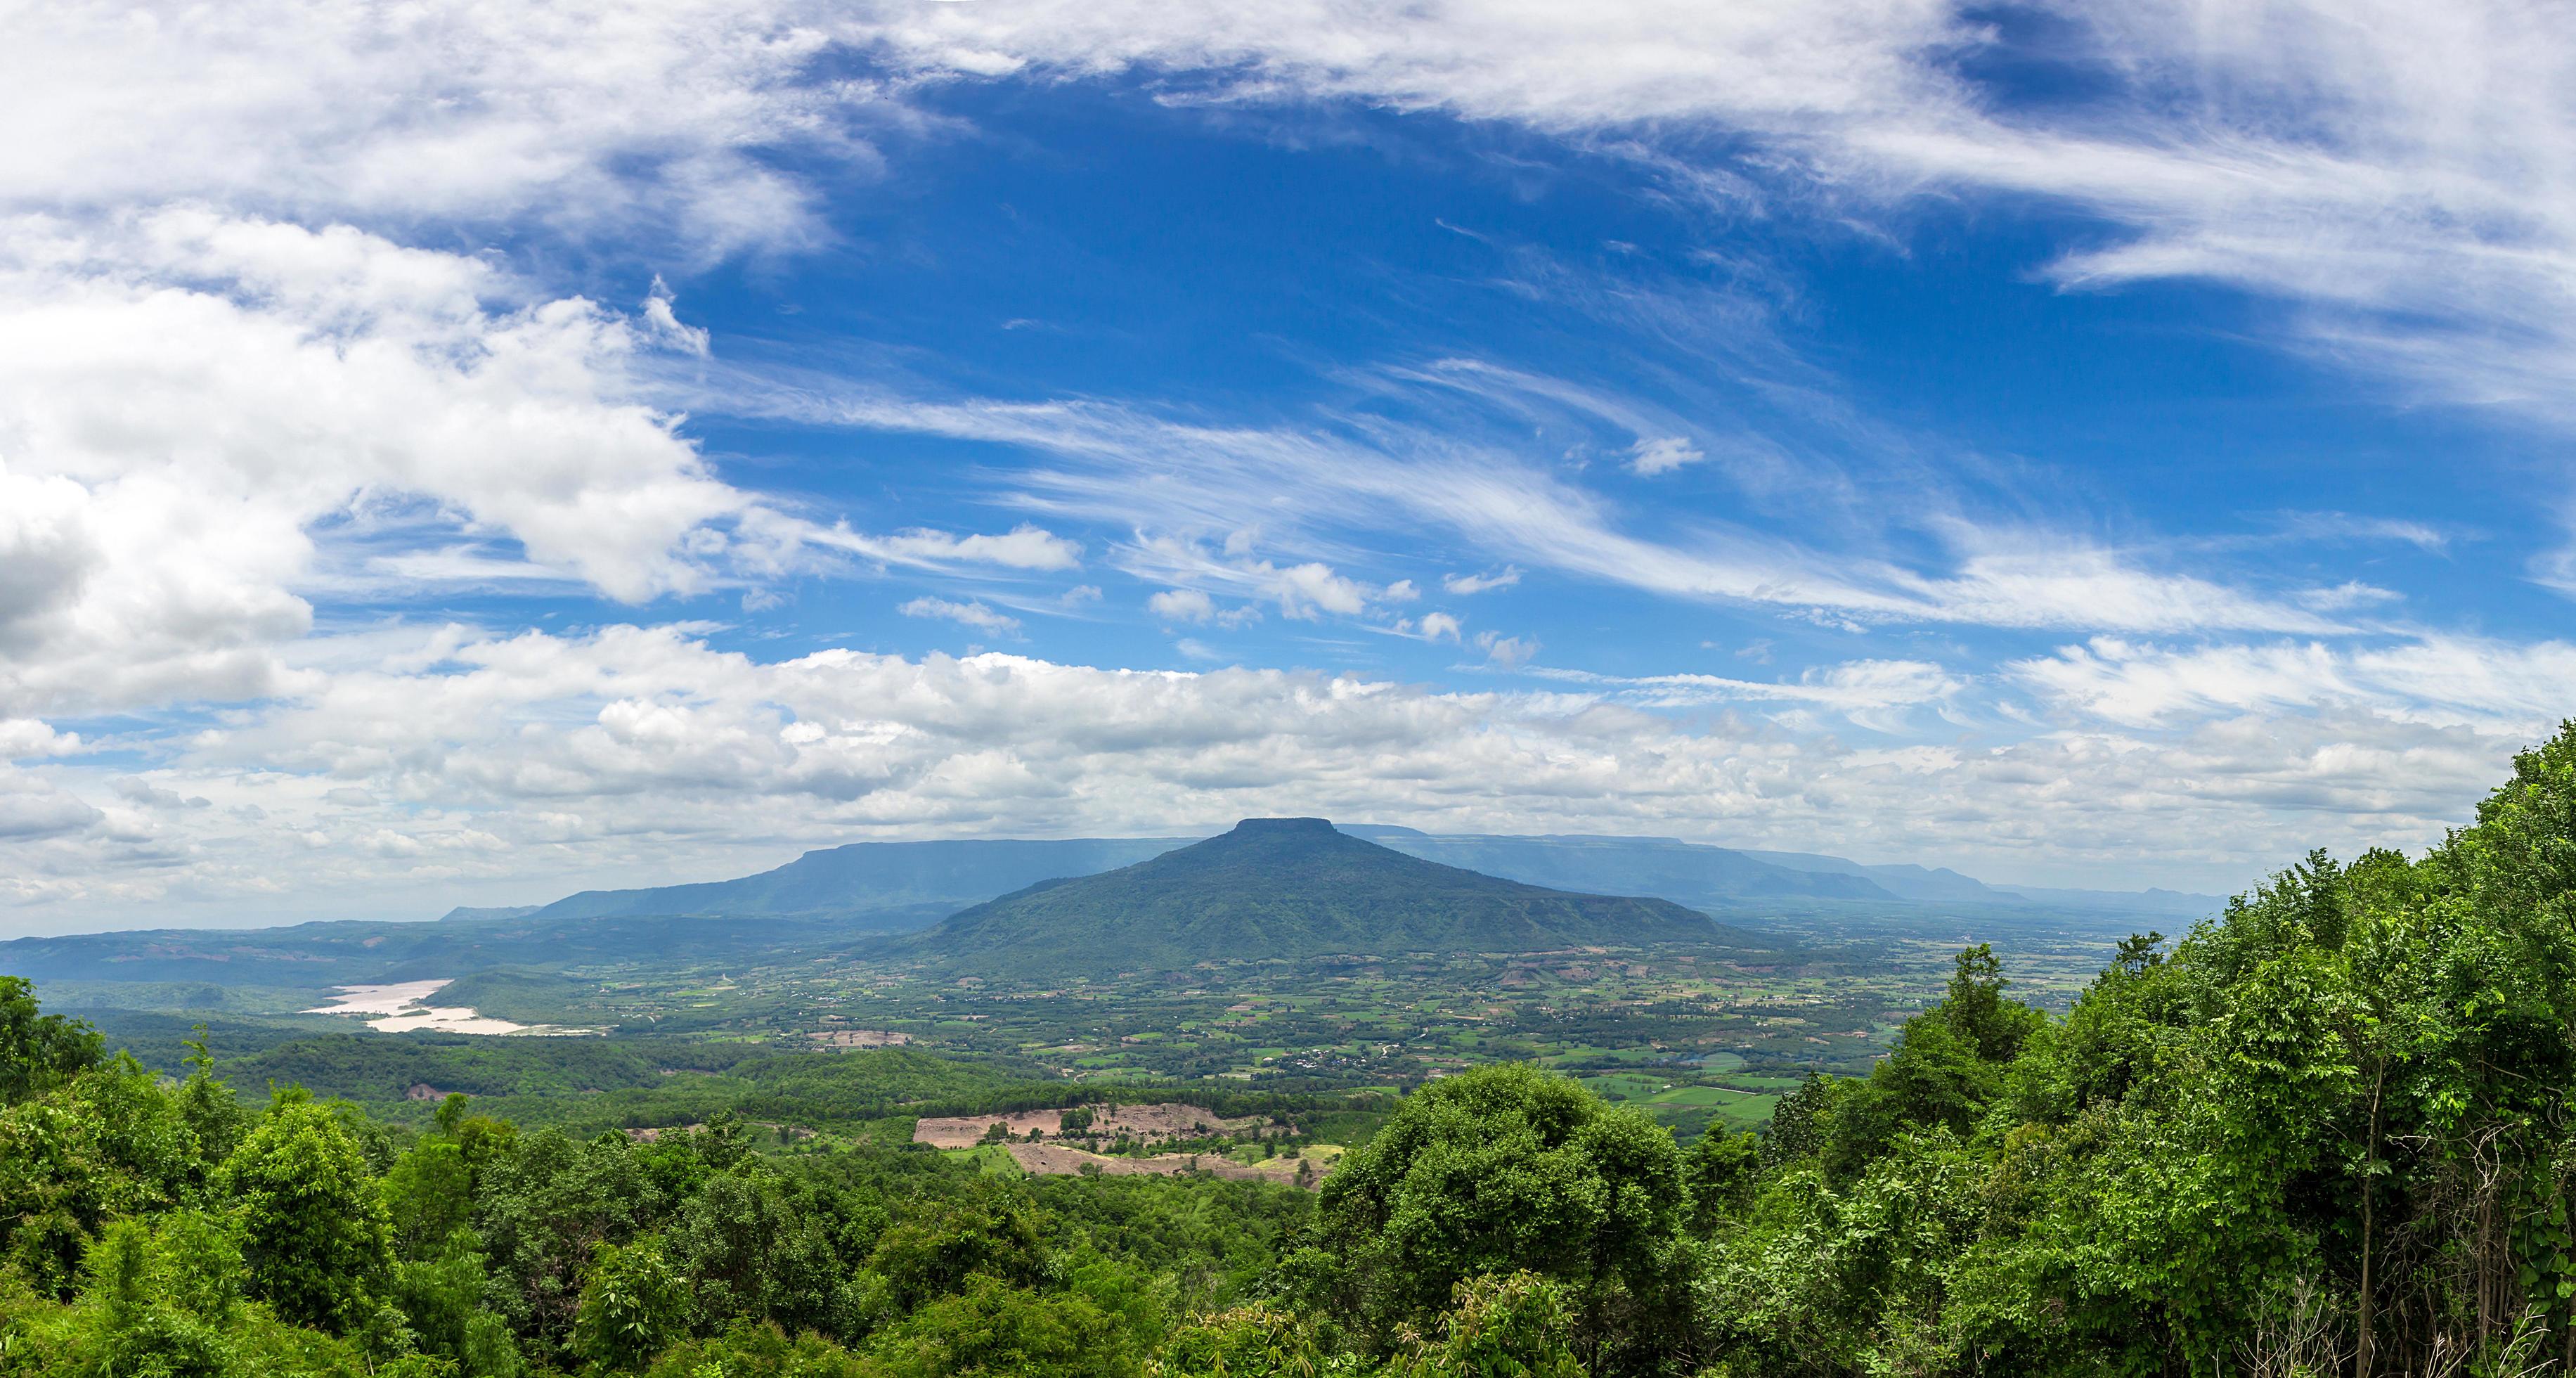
{"x": 1289, "y": 888}
{"x": 1283, "y": 827}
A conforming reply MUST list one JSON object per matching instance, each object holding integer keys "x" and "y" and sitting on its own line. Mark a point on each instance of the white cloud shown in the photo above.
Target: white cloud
{"x": 1860, "y": 684}
{"x": 25, "y": 738}
{"x": 968, "y": 614}
{"x": 230, "y": 384}
{"x": 1022, "y": 547}
{"x": 2494, "y": 687}
{"x": 1663, "y": 454}
{"x": 2399, "y": 172}
{"x": 186, "y": 396}
{"x": 643, "y": 754}
{"x": 1180, "y": 482}
{"x": 1464, "y": 585}
{"x": 1509, "y": 652}
{"x": 32, "y": 807}
{"x": 1182, "y": 605}
{"x": 637, "y": 117}
{"x": 664, "y": 322}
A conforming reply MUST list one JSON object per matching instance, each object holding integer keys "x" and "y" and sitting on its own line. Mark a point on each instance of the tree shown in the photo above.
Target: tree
{"x": 1506, "y": 1327}
{"x": 632, "y": 1307}
{"x": 992, "y": 1329}
{"x": 39, "y": 1051}
{"x": 1500, "y": 1170}
{"x": 159, "y": 1301}
{"x": 429, "y": 1199}
{"x": 1722, "y": 1169}
{"x": 1253, "y": 1341}
{"x": 316, "y": 1242}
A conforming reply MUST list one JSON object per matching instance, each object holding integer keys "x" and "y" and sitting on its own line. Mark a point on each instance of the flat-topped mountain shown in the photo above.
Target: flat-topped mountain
{"x": 1294, "y": 887}
{"x": 887, "y": 886}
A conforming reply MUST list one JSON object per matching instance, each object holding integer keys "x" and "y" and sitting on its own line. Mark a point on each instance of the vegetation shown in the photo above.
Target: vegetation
{"x": 2328, "y": 1131}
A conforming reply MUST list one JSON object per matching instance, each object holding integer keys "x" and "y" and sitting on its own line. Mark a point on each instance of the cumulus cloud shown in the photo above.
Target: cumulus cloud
{"x": 643, "y": 753}
{"x": 32, "y": 807}
{"x": 1182, "y": 605}
{"x": 602, "y": 114}
{"x": 1509, "y": 652}
{"x": 26, "y": 738}
{"x": 187, "y": 395}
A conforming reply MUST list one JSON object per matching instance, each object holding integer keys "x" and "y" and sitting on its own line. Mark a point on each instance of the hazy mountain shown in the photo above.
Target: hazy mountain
{"x": 900, "y": 885}
{"x": 1904, "y": 881}
{"x": 2172, "y": 904}
{"x": 1684, "y": 872}
{"x": 1294, "y": 887}
{"x": 317, "y": 955}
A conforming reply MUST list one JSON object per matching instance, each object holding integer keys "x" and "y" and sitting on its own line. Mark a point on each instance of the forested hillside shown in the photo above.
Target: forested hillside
{"x": 1284, "y": 888}
{"x": 2328, "y": 1132}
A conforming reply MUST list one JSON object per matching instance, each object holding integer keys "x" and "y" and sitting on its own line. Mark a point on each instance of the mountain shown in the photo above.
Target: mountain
{"x": 1904, "y": 881}
{"x": 898, "y": 885}
{"x": 2171, "y": 904}
{"x": 314, "y": 956}
{"x": 1288, "y": 888}
{"x": 1709, "y": 877}
{"x": 1684, "y": 872}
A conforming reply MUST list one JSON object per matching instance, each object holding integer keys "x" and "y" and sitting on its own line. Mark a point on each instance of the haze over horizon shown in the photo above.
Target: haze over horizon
{"x": 470, "y": 453}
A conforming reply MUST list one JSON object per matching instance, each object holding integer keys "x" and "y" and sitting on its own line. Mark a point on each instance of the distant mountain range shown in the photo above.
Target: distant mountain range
{"x": 1294, "y": 888}
{"x": 840, "y": 896}
{"x": 1703, "y": 876}
{"x": 901, "y": 886}
{"x": 894, "y": 885}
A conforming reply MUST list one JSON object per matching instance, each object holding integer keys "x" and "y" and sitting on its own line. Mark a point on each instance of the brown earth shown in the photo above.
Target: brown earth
{"x": 1146, "y": 1123}
{"x": 1061, "y": 1160}
{"x": 860, "y": 1038}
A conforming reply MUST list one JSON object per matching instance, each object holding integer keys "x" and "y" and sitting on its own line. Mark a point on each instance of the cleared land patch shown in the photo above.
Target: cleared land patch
{"x": 1063, "y": 1160}
{"x": 1138, "y": 1123}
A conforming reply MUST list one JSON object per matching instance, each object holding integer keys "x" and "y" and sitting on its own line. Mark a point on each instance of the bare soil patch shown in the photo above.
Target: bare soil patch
{"x": 860, "y": 1038}
{"x": 1064, "y": 1160}
{"x": 1142, "y": 1123}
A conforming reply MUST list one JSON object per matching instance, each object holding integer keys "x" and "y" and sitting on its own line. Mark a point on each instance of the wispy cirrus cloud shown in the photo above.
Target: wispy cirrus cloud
{"x": 2501, "y": 687}
{"x": 1121, "y": 465}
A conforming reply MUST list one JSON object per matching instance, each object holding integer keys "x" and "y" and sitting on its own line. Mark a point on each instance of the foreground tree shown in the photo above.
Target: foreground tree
{"x": 315, "y": 1239}
{"x": 1505, "y": 1170}
{"x": 39, "y": 1051}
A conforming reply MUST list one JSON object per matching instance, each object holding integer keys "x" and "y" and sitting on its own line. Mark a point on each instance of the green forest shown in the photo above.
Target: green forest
{"x": 2326, "y": 1132}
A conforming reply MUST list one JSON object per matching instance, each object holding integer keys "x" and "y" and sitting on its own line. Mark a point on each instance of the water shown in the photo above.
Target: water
{"x": 404, "y": 1006}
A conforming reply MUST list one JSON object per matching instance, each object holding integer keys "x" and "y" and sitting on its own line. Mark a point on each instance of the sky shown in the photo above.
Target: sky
{"x": 467, "y": 451}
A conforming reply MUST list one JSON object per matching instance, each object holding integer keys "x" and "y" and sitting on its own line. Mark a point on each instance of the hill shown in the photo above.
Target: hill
{"x": 1288, "y": 888}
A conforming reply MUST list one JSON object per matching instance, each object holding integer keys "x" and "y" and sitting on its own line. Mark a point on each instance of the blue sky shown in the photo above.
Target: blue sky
{"x": 529, "y": 447}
